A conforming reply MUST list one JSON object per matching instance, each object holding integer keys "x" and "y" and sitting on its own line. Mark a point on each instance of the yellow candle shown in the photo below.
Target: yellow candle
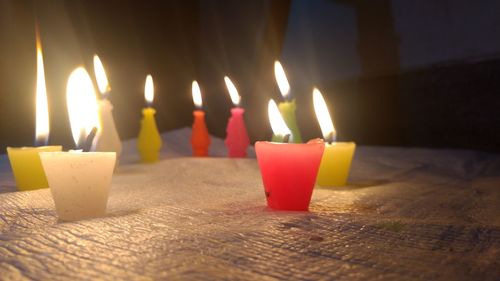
{"x": 335, "y": 164}
{"x": 25, "y": 161}
{"x": 27, "y": 167}
{"x": 149, "y": 141}
{"x": 337, "y": 157}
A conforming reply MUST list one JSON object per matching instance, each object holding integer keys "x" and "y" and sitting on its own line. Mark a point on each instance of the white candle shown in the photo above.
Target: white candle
{"x": 80, "y": 181}
{"x": 108, "y": 138}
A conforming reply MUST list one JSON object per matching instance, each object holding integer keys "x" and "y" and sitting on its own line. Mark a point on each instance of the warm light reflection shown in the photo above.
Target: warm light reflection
{"x": 196, "y": 95}
{"x": 149, "y": 90}
{"x": 233, "y": 92}
{"x": 82, "y": 104}
{"x": 100, "y": 76}
{"x": 281, "y": 79}
{"x": 323, "y": 116}
{"x": 42, "y": 108}
{"x": 278, "y": 125}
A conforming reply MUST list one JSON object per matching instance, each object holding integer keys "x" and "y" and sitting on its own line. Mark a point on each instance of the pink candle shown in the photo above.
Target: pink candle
{"x": 288, "y": 170}
{"x": 237, "y": 140}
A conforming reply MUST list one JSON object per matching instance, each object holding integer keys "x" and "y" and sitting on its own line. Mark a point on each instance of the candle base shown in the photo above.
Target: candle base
{"x": 27, "y": 167}
{"x": 79, "y": 182}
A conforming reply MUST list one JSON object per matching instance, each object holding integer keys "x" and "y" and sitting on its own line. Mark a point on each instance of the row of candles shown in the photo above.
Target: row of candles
{"x": 80, "y": 180}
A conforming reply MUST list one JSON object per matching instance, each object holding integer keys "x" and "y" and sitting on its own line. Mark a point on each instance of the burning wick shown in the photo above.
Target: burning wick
{"x": 85, "y": 143}
{"x": 286, "y": 138}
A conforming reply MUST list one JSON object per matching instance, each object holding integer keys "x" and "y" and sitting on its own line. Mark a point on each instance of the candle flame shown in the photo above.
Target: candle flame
{"x": 42, "y": 108}
{"x": 196, "y": 95}
{"x": 149, "y": 90}
{"x": 100, "y": 75}
{"x": 278, "y": 125}
{"x": 233, "y": 92}
{"x": 323, "y": 116}
{"x": 82, "y": 105}
{"x": 281, "y": 79}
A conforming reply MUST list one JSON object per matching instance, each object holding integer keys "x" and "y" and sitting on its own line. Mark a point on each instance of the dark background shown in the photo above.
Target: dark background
{"x": 405, "y": 73}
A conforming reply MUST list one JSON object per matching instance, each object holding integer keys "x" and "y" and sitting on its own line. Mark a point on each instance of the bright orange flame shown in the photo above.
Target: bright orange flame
{"x": 100, "y": 76}
{"x": 278, "y": 125}
{"x": 323, "y": 116}
{"x": 196, "y": 92}
{"x": 82, "y": 104}
{"x": 42, "y": 107}
{"x": 149, "y": 90}
{"x": 233, "y": 92}
{"x": 281, "y": 79}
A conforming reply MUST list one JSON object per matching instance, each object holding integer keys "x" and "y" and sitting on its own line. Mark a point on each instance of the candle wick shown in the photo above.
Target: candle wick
{"x": 286, "y": 138}
{"x": 90, "y": 139}
{"x": 41, "y": 141}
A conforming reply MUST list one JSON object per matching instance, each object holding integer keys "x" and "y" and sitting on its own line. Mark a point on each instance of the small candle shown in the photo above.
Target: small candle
{"x": 149, "y": 141}
{"x": 288, "y": 107}
{"x": 237, "y": 140}
{"x": 80, "y": 181}
{"x": 108, "y": 138}
{"x": 25, "y": 161}
{"x": 288, "y": 170}
{"x": 336, "y": 162}
{"x": 200, "y": 139}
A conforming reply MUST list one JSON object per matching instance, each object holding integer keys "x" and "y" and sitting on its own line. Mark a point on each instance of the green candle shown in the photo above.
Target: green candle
{"x": 287, "y": 110}
{"x": 288, "y": 107}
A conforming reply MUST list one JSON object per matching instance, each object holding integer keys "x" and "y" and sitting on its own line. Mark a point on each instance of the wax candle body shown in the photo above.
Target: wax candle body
{"x": 287, "y": 110}
{"x": 237, "y": 140}
{"x": 289, "y": 173}
{"x": 108, "y": 139}
{"x": 149, "y": 141}
{"x": 27, "y": 168}
{"x": 336, "y": 163}
{"x": 79, "y": 182}
{"x": 200, "y": 140}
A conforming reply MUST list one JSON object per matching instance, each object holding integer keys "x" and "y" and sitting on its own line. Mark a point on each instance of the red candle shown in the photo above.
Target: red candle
{"x": 288, "y": 170}
{"x": 200, "y": 139}
{"x": 237, "y": 140}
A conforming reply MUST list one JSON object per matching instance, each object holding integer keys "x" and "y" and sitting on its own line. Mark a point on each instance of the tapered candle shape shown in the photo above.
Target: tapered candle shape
{"x": 200, "y": 139}
{"x": 25, "y": 161}
{"x": 337, "y": 158}
{"x": 108, "y": 138}
{"x": 288, "y": 170}
{"x": 237, "y": 140}
{"x": 288, "y": 107}
{"x": 149, "y": 141}
{"x": 80, "y": 181}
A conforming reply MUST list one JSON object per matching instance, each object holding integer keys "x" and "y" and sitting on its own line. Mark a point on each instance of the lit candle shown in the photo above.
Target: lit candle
{"x": 108, "y": 138}
{"x": 149, "y": 141}
{"x": 337, "y": 158}
{"x": 288, "y": 169}
{"x": 25, "y": 161}
{"x": 237, "y": 140}
{"x": 288, "y": 107}
{"x": 200, "y": 139}
{"x": 80, "y": 181}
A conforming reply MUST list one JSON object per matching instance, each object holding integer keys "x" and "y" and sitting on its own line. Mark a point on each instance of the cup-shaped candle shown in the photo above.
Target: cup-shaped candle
{"x": 108, "y": 138}
{"x": 336, "y": 162}
{"x": 149, "y": 141}
{"x": 288, "y": 107}
{"x": 80, "y": 180}
{"x": 237, "y": 140}
{"x": 288, "y": 169}
{"x": 25, "y": 161}
{"x": 200, "y": 139}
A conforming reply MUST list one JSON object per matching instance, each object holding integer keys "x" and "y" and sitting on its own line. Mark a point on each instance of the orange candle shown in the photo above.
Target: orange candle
{"x": 200, "y": 139}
